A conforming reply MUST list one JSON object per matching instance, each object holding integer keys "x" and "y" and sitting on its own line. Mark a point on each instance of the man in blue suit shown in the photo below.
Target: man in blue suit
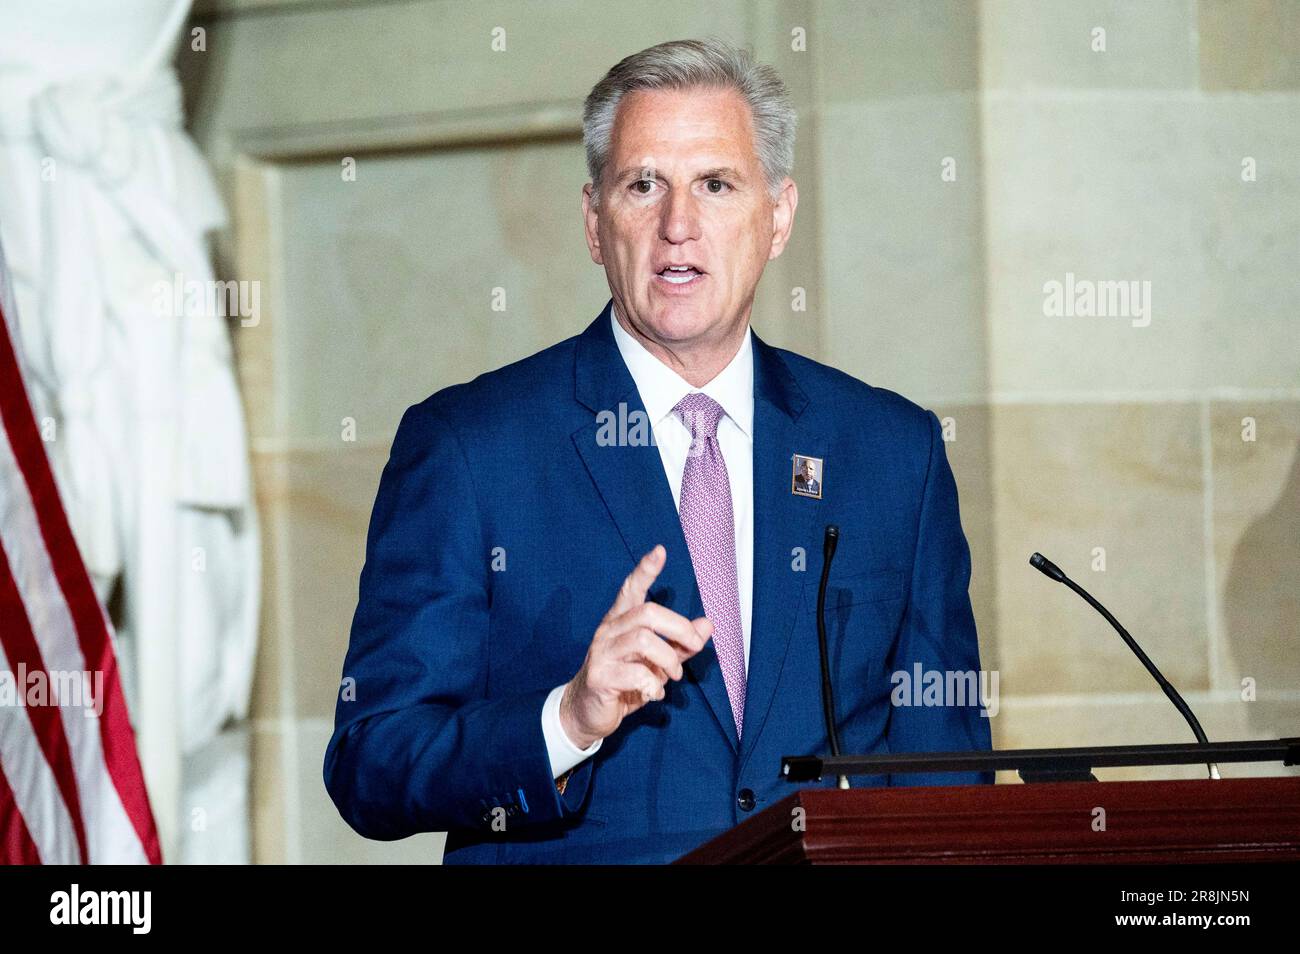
{"x": 601, "y": 649}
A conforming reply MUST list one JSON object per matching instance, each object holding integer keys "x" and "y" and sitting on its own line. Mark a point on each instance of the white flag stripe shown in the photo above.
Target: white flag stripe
{"x": 36, "y": 792}
{"x": 109, "y": 833}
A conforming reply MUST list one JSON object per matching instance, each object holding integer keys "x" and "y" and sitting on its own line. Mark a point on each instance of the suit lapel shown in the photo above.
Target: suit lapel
{"x": 782, "y": 521}
{"x": 635, "y": 491}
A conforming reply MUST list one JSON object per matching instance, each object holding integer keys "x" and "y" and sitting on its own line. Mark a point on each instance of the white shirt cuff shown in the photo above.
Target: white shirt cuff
{"x": 563, "y": 754}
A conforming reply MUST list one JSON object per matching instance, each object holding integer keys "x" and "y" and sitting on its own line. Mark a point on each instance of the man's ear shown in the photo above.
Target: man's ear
{"x": 590, "y": 224}
{"x": 783, "y": 216}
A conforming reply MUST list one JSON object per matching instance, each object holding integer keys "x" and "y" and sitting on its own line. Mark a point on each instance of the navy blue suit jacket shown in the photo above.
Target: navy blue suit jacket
{"x": 476, "y": 600}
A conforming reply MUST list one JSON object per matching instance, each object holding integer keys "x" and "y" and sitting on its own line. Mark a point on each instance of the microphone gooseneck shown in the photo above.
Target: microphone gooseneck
{"x": 1054, "y": 572}
{"x": 829, "y": 543}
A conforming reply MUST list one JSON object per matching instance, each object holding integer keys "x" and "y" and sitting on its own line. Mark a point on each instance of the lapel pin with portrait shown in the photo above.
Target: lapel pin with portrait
{"x": 808, "y": 476}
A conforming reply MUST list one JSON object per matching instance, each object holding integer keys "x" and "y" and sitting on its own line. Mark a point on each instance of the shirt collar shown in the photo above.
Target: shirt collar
{"x": 661, "y": 387}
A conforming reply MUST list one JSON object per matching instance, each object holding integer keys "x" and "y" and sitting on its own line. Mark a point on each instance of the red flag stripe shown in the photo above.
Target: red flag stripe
{"x": 19, "y": 643}
{"x": 16, "y": 845}
{"x": 117, "y": 737}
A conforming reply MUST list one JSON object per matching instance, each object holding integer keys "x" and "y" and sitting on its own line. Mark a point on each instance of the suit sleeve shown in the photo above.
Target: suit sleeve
{"x": 418, "y": 743}
{"x": 938, "y": 631}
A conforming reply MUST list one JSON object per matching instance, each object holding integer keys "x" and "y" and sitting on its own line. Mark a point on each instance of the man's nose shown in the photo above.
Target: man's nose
{"x": 680, "y": 219}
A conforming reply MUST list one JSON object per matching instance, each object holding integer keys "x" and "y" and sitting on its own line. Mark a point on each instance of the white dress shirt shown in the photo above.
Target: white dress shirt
{"x": 661, "y": 388}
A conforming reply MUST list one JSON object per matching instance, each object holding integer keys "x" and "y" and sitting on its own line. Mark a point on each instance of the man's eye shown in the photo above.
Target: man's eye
{"x": 710, "y": 183}
{"x": 636, "y": 186}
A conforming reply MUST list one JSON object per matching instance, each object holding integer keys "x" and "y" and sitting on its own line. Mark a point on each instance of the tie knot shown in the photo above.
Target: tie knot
{"x": 700, "y": 413}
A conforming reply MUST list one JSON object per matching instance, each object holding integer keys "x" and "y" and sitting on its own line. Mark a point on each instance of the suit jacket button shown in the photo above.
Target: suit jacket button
{"x": 746, "y": 800}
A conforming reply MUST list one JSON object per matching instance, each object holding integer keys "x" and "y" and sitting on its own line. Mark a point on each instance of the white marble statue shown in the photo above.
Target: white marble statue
{"x": 102, "y": 197}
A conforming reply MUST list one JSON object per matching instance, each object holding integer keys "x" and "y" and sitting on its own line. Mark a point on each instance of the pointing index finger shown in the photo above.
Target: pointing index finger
{"x": 634, "y": 589}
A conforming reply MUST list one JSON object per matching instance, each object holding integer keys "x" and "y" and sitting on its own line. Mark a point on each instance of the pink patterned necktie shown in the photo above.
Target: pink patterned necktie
{"x": 710, "y": 529}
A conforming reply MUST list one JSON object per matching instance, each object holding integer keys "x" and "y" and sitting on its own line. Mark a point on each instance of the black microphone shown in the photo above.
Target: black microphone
{"x": 1052, "y": 571}
{"x": 829, "y": 542}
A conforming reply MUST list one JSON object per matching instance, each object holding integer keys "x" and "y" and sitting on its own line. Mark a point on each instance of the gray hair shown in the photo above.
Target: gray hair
{"x": 686, "y": 64}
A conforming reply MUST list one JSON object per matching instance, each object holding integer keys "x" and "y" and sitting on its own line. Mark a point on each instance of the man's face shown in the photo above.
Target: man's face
{"x": 683, "y": 186}
{"x": 809, "y": 471}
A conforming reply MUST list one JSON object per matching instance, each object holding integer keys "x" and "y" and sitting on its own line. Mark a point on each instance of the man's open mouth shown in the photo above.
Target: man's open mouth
{"x": 680, "y": 274}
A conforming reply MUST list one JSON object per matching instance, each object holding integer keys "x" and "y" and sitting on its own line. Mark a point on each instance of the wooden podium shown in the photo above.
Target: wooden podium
{"x": 1165, "y": 822}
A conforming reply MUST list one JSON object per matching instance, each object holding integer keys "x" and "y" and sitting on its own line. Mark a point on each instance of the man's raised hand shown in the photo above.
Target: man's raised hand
{"x": 636, "y": 649}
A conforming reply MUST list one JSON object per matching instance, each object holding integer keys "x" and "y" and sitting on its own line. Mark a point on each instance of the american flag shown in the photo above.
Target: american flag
{"x": 71, "y": 788}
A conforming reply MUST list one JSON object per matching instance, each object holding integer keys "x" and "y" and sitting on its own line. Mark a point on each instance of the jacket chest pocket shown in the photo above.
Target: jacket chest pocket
{"x": 863, "y": 613}
{"x": 843, "y": 592}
